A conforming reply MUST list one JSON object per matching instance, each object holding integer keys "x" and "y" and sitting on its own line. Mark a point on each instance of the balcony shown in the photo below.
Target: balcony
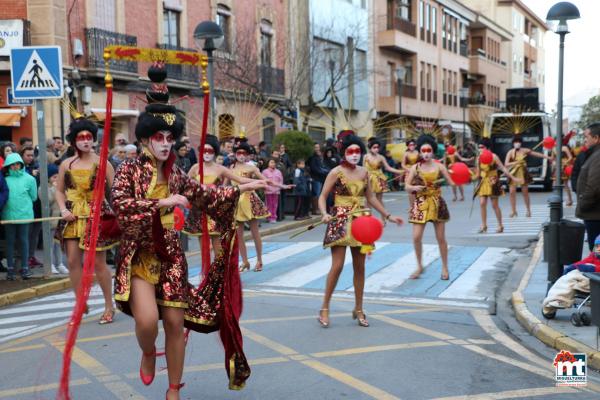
{"x": 397, "y": 34}
{"x": 480, "y": 65}
{"x": 390, "y": 89}
{"x": 97, "y": 40}
{"x": 185, "y": 73}
{"x": 463, "y": 49}
{"x": 272, "y": 80}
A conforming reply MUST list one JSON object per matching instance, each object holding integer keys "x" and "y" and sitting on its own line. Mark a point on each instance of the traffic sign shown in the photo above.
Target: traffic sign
{"x": 11, "y": 101}
{"x": 36, "y": 72}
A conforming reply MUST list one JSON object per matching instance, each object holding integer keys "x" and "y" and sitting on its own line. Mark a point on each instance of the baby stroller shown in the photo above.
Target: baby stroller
{"x": 573, "y": 289}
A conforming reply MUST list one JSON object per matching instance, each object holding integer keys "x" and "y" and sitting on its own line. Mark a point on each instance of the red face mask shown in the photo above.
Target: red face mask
{"x": 85, "y": 136}
{"x": 158, "y": 137}
{"x": 353, "y": 152}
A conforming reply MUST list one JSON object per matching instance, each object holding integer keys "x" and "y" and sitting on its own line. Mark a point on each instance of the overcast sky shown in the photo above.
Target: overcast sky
{"x": 582, "y": 58}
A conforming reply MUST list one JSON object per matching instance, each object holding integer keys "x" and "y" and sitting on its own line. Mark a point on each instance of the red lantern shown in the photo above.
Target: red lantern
{"x": 179, "y": 219}
{"x": 549, "y": 143}
{"x": 486, "y": 157}
{"x": 460, "y": 173}
{"x": 450, "y": 150}
{"x": 366, "y": 229}
{"x": 568, "y": 170}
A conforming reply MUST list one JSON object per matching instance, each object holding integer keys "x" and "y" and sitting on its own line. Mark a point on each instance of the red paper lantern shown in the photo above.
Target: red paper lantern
{"x": 460, "y": 173}
{"x": 486, "y": 157}
{"x": 568, "y": 170}
{"x": 366, "y": 229}
{"x": 450, "y": 150}
{"x": 179, "y": 219}
{"x": 549, "y": 143}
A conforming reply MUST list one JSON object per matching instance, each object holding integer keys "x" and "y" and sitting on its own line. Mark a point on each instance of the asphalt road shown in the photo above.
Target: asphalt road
{"x": 421, "y": 344}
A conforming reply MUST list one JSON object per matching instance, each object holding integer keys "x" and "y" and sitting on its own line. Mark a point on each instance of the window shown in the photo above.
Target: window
{"x": 444, "y": 30}
{"x": 408, "y": 78}
{"x": 422, "y": 74}
{"x": 171, "y": 27}
{"x": 520, "y": 65}
{"x": 224, "y": 21}
{"x": 427, "y": 21}
{"x": 515, "y": 66}
{"x": 403, "y": 9}
{"x": 433, "y": 20}
{"x": 360, "y": 59}
{"x": 266, "y": 36}
{"x": 421, "y": 14}
{"x": 434, "y": 78}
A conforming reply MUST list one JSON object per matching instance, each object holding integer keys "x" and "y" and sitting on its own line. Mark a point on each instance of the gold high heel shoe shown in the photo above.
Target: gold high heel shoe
{"x": 482, "y": 229}
{"x": 500, "y": 229}
{"x": 324, "y": 322}
{"x": 513, "y": 214}
{"x": 362, "y": 321}
{"x": 258, "y": 267}
{"x": 245, "y": 266}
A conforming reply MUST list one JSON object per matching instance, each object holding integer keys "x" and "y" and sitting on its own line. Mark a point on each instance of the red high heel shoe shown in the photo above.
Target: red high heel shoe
{"x": 147, "y": 379}
{"x": 174, "y": 387}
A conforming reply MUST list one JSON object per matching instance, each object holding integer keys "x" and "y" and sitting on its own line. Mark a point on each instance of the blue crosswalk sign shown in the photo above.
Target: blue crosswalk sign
{"x": 36, "y": 72}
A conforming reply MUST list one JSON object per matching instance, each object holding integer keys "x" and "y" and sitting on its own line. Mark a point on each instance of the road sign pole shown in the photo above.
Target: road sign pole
{"x": 43, "y": 161}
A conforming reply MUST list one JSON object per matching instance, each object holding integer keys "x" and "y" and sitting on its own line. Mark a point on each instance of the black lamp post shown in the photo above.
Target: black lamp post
{"x": 561, "y": 12}
{"x": 331, "y": 63}
{"x": 464, "y": 99}
{"x": 209, "y": 36}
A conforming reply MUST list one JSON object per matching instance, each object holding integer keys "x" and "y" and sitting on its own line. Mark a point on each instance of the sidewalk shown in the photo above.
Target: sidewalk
{"x": 557, "y": 333}
{"x": 12, "y": 292}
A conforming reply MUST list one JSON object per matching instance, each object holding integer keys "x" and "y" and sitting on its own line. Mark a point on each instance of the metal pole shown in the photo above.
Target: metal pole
{"x": 332, "y": 93}
{"x": 400, "y": 97}
{"x": 464, "y": 132}
{"x": 555, "y": 201}
{"x": 211, "y": 82}
{"x": 43, "y": 161}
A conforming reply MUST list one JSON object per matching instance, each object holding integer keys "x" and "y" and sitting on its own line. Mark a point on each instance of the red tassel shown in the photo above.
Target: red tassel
{"x": 90, "y": 255}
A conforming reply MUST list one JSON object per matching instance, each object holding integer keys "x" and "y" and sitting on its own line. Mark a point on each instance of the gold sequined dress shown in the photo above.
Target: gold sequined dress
{"x": 428, "y": 205}
{"x": 377, "y": 178}
{"x": 250, "y": 206}
{"x": 519, "y": 170}
{"x": 349, "y": 195}
{"x": 193, "y": 222}
{"x": 489, "y": 181}
{"x": 79, "y": 193}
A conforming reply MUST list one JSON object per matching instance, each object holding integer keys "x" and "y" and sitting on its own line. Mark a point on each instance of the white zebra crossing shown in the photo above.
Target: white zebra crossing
{"x": 517, "y": 226}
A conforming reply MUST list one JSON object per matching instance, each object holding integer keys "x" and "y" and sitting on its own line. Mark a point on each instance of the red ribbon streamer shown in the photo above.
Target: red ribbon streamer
{"x": 92, "y": 230}
{"x": 204, "y": 220}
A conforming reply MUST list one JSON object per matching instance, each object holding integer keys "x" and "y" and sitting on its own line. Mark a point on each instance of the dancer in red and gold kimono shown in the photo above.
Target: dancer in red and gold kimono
{"x": 214, "y": 176}
{"x": 74, "y": 195}
{"x": 428, "y": 205}
{"x": 350, "y": 185}
{"x": 151, "y": 280}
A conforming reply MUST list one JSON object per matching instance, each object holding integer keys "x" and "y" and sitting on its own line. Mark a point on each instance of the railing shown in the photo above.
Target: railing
{"x": 188, "y": 73}
{"x": 402, "y": 25}
{"x": 390, "y": 88}
{"x": 272, "y": 80}
{"x": 477, "y": 100}
{"x": 98, "y": 39}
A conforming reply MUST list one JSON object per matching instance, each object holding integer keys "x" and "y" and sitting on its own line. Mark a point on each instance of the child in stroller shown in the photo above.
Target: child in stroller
{"x": 573, "y": 284}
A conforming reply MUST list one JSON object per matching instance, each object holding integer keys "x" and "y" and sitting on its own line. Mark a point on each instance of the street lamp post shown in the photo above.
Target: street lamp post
{"x": 464, "y": 97}
{"x": 331, "y": 63}
{"x": 561, "y": 12}
{"x": 209, "y": 36}
{"x": 400, "y": 75}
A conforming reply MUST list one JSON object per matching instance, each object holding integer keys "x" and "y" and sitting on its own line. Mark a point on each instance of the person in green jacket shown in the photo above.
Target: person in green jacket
{"x": 22, "y": 192}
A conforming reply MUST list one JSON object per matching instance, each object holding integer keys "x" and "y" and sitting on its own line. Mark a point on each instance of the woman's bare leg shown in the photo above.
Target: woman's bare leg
{"x": 74, "y": 262}
{"x": 513, "y": 200}
{"x": 462, "y": 193}
{"x": 174, "y": 346}
{"x": 257, "y": 239}
{"x": 498, "y": 212}
{"x": 358, "y": 264}
{"x": 241, "y": 243}
{"x": 483, "y": 210}
{"x": 440, "y": 235}
{"x": 417, "y": 236}
{"x": 145, "y": 313}
{"x": 526, "y": 199}
{"x": 104, "y": 277}
{"x": 338, "y": 255}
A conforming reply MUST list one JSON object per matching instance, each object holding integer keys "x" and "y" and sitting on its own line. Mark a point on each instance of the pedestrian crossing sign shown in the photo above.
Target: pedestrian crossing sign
{"x": 36, "y": 72}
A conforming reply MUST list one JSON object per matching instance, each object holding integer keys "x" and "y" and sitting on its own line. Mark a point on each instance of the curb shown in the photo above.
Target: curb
{"x": 22, "y": 295}
{"x": 539, "y": 329}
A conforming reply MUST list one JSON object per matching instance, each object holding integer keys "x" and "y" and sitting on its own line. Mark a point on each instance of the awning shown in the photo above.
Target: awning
{"x": 100, "y": 113}
{"x": 459, "y": 127}
{"x": 10, "y": 117}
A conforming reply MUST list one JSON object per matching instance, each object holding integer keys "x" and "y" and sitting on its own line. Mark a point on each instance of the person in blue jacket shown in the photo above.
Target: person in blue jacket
{"x": 22, "y": 192}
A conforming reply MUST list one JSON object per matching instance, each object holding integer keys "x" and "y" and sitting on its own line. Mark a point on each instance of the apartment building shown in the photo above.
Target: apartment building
{"x": 429, "y": 40}
{"x": 526, "y": 56}
{"x": 330, "y": 66}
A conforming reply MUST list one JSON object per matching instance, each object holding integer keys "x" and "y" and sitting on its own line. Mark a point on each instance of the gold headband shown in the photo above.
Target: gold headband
{"x": 169, "y": 118}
